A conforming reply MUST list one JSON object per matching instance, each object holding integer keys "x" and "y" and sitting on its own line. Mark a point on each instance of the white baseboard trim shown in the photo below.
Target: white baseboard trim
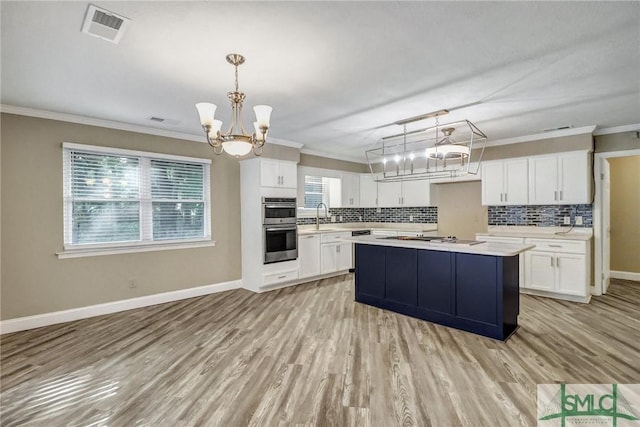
{"x": 46, "y": 319}
{"x": 625, "y": 275}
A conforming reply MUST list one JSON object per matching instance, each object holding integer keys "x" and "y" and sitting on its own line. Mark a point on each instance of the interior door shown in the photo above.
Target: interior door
{"x": 606, "y": 224}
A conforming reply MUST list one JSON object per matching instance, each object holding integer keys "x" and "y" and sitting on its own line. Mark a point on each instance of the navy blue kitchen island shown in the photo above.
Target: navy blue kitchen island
{"x": 473, "y": 289}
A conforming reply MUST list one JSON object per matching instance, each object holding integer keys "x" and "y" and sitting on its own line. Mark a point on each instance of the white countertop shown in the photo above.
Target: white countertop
{"x": 582, "y": 233}
{"x": 352, "y": 226}
{"x": 486, "y": 248}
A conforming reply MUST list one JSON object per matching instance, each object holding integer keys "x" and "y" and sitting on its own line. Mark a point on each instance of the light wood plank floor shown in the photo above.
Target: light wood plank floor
{"x": 309, "y": 355}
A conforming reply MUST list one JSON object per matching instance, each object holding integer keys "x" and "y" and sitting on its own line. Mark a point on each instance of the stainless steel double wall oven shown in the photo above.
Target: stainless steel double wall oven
{"x": 280, "y": 230}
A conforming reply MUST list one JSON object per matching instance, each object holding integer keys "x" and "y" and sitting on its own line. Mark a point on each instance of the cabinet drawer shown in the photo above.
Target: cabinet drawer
{"x": 282, "y": 276}
{"x": 333, "y": 237}
{"x": 550, "y": 245}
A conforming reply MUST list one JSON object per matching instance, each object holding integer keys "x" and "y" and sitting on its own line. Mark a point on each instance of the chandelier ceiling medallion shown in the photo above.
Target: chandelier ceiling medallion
{"x": 235, "y": 141}
{"x": 440, "y": 151}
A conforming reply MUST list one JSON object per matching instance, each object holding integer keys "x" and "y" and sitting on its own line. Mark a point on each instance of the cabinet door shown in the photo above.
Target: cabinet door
{"x": 574, "y": 182}
{"x": 309, "y": 255}
{"x": 492, "y": 184}
{"x": 370, "y": 270}
{"x": 389, "y": 194}
{"x": 288, "y": 174}
{"x": 350, "y": 190}
{"x": 416, "y": 193}
{"x": 329, "y": 258}
{"x": 269, "y": 173}
{"x": 539, "y": 270}
{"x": 571, "y": 274}
{"x": 543, "y": 180}
{"x": 368, "y": 191}
{"x": 344, "y": 260}
{"x": 476, "y": 279}
{"x": 435, "y": 289}
{"x": 516, "y": 185}
{"x": 401, "y": 275}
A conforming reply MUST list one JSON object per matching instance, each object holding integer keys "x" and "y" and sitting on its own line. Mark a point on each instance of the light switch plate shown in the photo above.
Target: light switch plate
{"x": 567, "y": 220}
{"x": 333, "y": 218}
{"x": 410, "y": 218}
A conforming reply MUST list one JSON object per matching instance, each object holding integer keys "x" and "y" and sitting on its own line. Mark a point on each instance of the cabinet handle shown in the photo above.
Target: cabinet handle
{"x": 501, "y": 196}
{"x": 555, "y": 246}
{"x": 560, "y": 194}
{"x": 555, "y": 195}
{"x": 551, "y": 259}
{"x": 338, "y": 249}
{"x": 281, "y": 277}
{"x": 505, "y": 197}
{"x": 558, "y": 262}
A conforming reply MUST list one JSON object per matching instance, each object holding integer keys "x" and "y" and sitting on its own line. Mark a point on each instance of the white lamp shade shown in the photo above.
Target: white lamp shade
{"x": 447, "y": 149}
{"x": 237, "y": 148}
{"x": 215, "y": 128}
{"x": 259, "y": 135}
{"x": 207, "y": 111}
{"x": 263, "y": 115}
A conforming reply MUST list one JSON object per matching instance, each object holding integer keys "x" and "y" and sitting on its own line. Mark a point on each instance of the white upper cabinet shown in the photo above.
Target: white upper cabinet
{"x": 404, "y": 194}
{"x": 416, "y": 193}
{"x": 504, "y": 182}
{"x": 389, "y": 194}
{"x": 350, "y": 190}
{"x": 368, "y": 191}
{"x": 278, "y": 173}
{"x": 561, "y": 179}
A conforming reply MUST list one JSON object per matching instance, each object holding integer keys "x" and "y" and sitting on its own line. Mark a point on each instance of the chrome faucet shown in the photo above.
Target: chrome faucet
{"x": 326, "y": 214}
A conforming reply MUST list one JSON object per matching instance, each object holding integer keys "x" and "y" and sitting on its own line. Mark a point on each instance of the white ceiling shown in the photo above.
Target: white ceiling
{"x": 334, "y": 72}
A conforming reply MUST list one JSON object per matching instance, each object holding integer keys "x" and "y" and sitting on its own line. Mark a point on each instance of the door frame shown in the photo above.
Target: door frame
{"x": 598, "y": 207}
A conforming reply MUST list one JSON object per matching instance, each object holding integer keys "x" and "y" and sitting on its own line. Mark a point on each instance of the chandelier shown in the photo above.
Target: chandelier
{"x": 235, "y": 141}
{"x": 440, "y": 151}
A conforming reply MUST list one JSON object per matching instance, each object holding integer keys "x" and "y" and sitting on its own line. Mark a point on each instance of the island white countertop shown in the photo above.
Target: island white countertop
{"x": 556, "y": 233}
{"x": 485, "y": 248}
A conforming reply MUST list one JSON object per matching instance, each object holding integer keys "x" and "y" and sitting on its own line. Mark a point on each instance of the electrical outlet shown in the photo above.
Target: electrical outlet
{"x": 567, "y": 220}
{"x": 333, "y": 218}
{"x": 378, "y": 210}
{"x": 578, "y": 220}
{"x": 360, "y": 218}
{"x": 340, "y": 218}
{"x": 410, "y": 218}
{"x": 132, "y": 283}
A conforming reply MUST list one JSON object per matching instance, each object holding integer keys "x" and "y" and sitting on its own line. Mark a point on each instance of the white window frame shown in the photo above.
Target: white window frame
{"x": 146, "y": 243}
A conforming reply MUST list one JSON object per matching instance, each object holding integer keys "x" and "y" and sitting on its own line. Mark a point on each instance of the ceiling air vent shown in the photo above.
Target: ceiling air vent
{"x": 558, "y": 128}
{"x": 104, "y": 24}
{"x": 164, "y": 120}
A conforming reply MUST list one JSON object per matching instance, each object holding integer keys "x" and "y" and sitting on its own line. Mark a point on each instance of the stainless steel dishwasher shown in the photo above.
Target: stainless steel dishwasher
{"x": 353, "y": 246}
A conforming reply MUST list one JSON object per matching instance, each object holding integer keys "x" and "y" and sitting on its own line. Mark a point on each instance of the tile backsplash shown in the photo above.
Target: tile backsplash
{"x": 539, "y": 215}
{"x": 426, "y": 215}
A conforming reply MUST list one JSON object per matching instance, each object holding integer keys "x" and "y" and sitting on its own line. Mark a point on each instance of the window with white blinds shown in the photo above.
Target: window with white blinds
{"x": 115, "y": 197}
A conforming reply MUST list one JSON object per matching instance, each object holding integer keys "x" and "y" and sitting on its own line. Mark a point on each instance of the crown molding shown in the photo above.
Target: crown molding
{"x": 110, "y": 124}
{"x": 546, "y": 135}
{"x": 617, "y": 129}
{"x": 334, "y": 156}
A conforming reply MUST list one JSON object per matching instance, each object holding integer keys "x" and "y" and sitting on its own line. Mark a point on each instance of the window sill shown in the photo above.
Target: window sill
{"x": 80, "y": 253}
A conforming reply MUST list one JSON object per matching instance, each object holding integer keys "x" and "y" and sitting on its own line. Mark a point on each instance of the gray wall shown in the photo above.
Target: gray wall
{"x": 35, "y": 281}
{"x": 327, "y": 163}
{"x": 617, "y": 142}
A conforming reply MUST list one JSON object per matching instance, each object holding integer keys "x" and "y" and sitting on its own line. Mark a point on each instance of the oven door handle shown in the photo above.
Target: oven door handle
{"x": 280, "y": 206}
{"x": 281, "y": 229}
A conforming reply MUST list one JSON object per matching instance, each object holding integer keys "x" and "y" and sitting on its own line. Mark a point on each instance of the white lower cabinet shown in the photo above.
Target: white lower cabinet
{"x": 335, "y": 255}
{"x": 558, "y": 266}
{"x": 309, "y": 255}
